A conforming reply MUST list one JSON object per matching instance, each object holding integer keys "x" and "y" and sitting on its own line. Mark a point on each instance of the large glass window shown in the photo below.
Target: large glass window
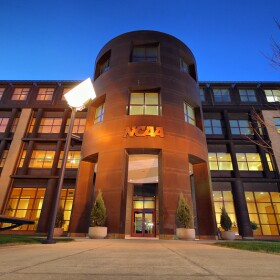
{"x": 73, "y": 159}
{"x": 264, "y": 209}
{"x": 3, "y": 124}
{"x": 220, "y": 161}
{"x": 1, "y": 92}
{"x": 22, "y": 158}
{"x": 224, "y": 199}
{"x": 144, "y": 103}
{"x": 148, "y": 53}
{"x": 47, "y": 125}
{"x": 247, "y": 95}
{"x": 20, "y": 93}
{"x": 189, "y": 114}
{"x": 202, "y": 95}
{"x": 277, "y": 124}
{"x": 272, "y": 95}
{"x": 26, "y": 203}
{"x": 269, "y": 162}
{"x": 14, "y": 125}
{"x": 249, "y": 161}
{"x": 103, "y": 64}
{"x": 66, "y": 202}
{"x": 213, "y": 127}
{"x": 41, "y": 159}
{"x": 241, "y": 127}
{"x": 221, "y": 95}
{"x": 99, "y": 114}
{"x": 79, "y": 125}
{"x": 184, "y": 65}
{"x": 45, "y": 94}
{"x": 3, "y": 158}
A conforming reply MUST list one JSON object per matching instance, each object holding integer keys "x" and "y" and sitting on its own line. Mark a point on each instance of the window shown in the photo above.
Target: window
{"x": 66, "y": 202}
{"x": 144, "y": 103}
{"x": 41, "y": 159}
{"x": 99, "y": 114}
{"x": 202, "y": 95}
{"x": 249, "y": 162}
{"x": 14, "y": 125}
{"x": 241, "y": 127}
{"x": 189, "y": 114}
{"x": 3, "y": 158}
{"x": 49, "y": 125}
{"x": 73, "y": 159}
{"x": 220, "y": 161}
{"x": 3, "y": 124}
{"x": 26, "y": 203}
{"x": 213, "y": 127}
{"x": 277, "y": 124}
{"x": 272, "y": 95}
{"x": 269, "y": 162}
{"x": 184, "y": 65}
{"x": 1, "y": 92}
{"x": 79, "y": 125}
{"x": 221, "y": 95}
{"x": 45, "y": 94}
{"x": 22, "y": 158}
{"x": 148, "y": 53}
{"x": 103, "y": 64}
{"x": 224, "y": 199}
{"x": 20, "y": 93}
{"x": 264, "y": 209}
{"x": 247, "y": 95}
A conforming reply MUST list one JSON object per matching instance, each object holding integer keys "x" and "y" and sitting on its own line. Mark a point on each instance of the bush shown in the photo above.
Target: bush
{"x": 226, "y": 223}
{"x": 254, "y": 225}
{"x": 184, "y": 216}
{"x": 59, "y": 221}
{"x": 98, "y": 212}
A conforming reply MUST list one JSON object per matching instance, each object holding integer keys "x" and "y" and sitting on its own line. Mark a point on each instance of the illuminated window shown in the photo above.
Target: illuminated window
{"x": 48, "y": 125}
{"x": 264, "y": 209}
{"x": 103, "y": 64}
{"x": 249, "y": 161}
{"x": 99, "y": 114}
{"x": 224, "y": 199}
{"x": 269, "y": 161}
{"x": 221, "y": 95}
{"x": 148, "y": 53}
{"x": 277, "y": 124}
{"x": 41, "y": 159}
{"x": 14, "y": 125}
{"x": 26, "y": 203}
{"x": 66, "y": 202}
{"x": 213, "y": 127}
{"x": 1, "y": 92}
{"x": 3, "y": 158}
{"x": 247, "y": 95}
{"x": 272, "y": 95}
{"x": 22, "y": 158}
{"x": 220, "y": 161}
{"x": 79, "y": 125}
{"x": 45, "y": 94}
{"x": 73, "y": 159}
{"x": 240, "y": 127}
{"x": 20, "y": 93}
{"x": 144, "y": 103}
{"x": 189, "y": 114}
{"x": 3, "y": 124}
{"x": 202, "y": 95}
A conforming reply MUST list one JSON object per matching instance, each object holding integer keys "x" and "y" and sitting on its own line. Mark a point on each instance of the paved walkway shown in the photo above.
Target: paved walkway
{"x": 134, "y": 259}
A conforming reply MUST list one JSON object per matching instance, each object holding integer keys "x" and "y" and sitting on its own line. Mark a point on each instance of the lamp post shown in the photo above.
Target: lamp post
{"x": 77, "y": 99}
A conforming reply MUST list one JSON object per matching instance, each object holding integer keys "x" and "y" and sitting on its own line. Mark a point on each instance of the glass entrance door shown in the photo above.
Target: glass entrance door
{"x": 143, "y": 224}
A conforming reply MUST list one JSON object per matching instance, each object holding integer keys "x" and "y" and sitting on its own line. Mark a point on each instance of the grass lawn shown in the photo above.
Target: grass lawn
{"x": 25, "y": 239}
{"x": 256, "y": 246}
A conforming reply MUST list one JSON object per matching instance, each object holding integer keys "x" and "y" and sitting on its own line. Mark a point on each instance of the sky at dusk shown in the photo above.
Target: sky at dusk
{"x": 60, "y": 39}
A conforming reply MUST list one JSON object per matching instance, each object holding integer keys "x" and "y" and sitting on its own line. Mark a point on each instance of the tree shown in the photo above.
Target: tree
{"x": 275, "y": 46}
{"x": 226, "y": 222}
{"x": 184, "y": 215}
{"x": 98, "y": 213}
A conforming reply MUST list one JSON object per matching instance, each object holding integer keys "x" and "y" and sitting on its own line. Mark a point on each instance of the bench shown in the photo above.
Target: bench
{"x": 16, "y": 222}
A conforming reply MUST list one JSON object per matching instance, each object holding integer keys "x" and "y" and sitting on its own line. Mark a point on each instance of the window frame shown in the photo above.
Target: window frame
{"x": 189, "y": 114}
{"x": 240, "y": 127}
{"x": 145, "y": 57}
{"x": 22, "y": 95}
{"x": 272, "y": 95}
{"x": 249, "y": 162}
{"x": 216, "y": 164}
{"x": 213, "y": 127}
{"x": 223, "y": 94}
{"x": 45, "y": 94}
{"x": 247, "y": 97}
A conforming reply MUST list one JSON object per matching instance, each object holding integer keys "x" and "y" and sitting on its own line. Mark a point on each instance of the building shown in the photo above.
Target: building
{"x": 152, "y": 132}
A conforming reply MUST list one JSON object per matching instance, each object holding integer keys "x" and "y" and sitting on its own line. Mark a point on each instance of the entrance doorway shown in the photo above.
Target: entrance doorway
{"x": 143, "y": 223}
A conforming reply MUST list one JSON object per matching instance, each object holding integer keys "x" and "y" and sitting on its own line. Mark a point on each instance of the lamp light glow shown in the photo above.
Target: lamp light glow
{"x": 78, "y": 96}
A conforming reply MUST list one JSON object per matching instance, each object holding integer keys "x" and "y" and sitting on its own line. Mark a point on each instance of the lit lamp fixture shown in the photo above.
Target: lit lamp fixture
{"x": 77, "y": 98}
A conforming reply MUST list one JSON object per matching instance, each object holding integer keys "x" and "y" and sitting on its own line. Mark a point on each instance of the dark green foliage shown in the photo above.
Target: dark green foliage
{"x": 254, "y": 225}
{"x": 98, "y": 212}
{"x": 184, "y": 215}
{"x": 59, "y": 221}
{"x": 226, "y": 223}
{"x": 25, "y": 239}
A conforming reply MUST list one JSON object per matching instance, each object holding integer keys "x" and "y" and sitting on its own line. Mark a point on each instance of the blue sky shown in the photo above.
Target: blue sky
{"x": 60, "y": 39}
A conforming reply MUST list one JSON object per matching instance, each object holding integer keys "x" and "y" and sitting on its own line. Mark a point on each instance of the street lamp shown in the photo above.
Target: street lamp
{"x": 77, "y": 98}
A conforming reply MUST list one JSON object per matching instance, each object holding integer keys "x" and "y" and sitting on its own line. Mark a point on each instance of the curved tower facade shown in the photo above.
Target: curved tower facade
{"x": 144, "y": 142}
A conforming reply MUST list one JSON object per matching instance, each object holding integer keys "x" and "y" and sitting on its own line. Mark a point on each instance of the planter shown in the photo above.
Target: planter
{"x": 228, "y": 235}
{"x": 185, "y": 233}
{"x": 58, "y": 232}
{"x": 97, "y": 232}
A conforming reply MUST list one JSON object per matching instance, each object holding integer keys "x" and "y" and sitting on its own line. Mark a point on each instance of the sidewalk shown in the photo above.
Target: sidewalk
{"x": 134, "y": 259}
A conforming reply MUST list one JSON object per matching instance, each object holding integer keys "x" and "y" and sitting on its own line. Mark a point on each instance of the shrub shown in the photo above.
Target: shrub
{"x": 59, "y": 221}
{"x": 184, "y": 216}
{"x": 254, "y": 225}
{"x": 98, "y": 212}
{"x": 226, "y": 223}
